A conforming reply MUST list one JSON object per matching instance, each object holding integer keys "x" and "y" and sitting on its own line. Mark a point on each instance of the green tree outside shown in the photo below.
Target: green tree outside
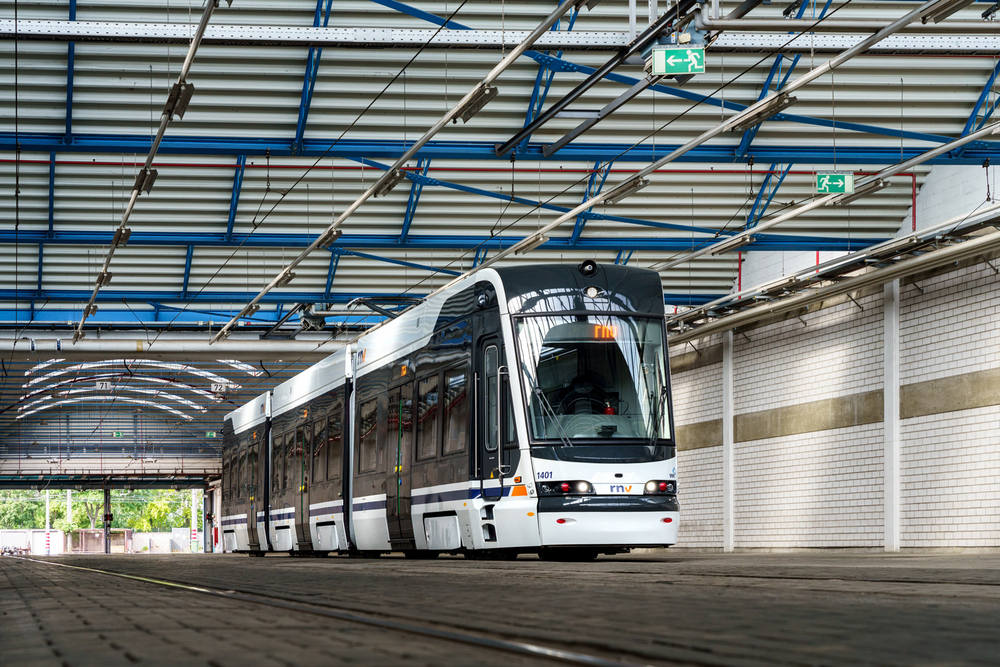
{"x": 147, "y": 510}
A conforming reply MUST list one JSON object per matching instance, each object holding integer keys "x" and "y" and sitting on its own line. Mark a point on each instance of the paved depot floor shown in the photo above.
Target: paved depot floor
{"x": 669, "y": 608}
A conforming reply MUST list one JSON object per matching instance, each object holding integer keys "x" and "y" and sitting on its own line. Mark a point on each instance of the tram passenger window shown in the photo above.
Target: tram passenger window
{"x": 319, "y": 451}
{"x": 368, "y": 455}
{"x": 225, "y": 479}
{"x": 286, "y": 472}
{"x": 241, "y": 476}
{"x": 252, "y": 474}
{"x": 456, "y": 411}
{"x": 427, "y": 418}
{"x": 335, "y": 443}
{"x": 277, "y": 461}
{"x": 297, "y": 475}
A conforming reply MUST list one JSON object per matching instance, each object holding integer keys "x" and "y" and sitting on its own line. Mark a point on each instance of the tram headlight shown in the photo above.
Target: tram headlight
{"x": 661, "y": 487}
{"x": 573, "y": 488}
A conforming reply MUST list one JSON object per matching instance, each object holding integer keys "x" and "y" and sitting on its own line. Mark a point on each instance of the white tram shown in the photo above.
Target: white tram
{"x": 523, "y": 410}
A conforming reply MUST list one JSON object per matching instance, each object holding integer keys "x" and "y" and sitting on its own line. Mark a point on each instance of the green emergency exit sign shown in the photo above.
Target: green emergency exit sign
{"x": 678, "y": 60}
{"x": 119, "y": 434}
{"x": 209, "y": 434}
{"x": 834, "y": 183}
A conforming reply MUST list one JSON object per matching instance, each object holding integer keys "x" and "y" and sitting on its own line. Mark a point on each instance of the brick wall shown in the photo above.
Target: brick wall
{"x": 700, "y": 495}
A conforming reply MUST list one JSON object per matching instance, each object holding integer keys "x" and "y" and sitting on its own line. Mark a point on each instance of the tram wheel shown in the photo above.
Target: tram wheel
{"x": 421, "y": 554}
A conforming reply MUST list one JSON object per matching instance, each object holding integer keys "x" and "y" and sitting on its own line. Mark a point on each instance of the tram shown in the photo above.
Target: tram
{"x": 521, "y": 410}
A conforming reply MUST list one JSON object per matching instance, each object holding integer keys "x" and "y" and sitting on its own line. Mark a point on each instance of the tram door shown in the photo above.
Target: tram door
{"x": 398, "y": 485}
{"x": 300, "y": 484}
{"x": 488, "y": 438}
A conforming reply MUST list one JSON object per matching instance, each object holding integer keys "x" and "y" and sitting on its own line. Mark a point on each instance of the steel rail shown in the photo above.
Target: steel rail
{"x": 479, "y": 91}
{"x": 165, "y": 117}
{"x": 621, "y": 190}
{"x": 704, "y": 22}
{"x": 507, "y": 645}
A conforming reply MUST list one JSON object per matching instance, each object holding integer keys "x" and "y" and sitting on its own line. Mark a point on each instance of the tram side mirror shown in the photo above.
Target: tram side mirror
{"x": 588, "y": 267}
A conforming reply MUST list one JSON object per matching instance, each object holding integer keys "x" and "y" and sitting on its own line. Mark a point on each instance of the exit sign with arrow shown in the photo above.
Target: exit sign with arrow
{"x": 834, "y": 183}
{"x": 678, "y": 60}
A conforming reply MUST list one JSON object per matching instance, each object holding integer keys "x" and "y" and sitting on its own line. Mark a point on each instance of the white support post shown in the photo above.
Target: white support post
{"x": 48, "y": 526}
{"x": 728, "y": 541}
{"x": 890, "y": 430}
{"x": 654, "y": 11}
{"x": 69, "y": 508}
{"x": 194, "y": 520}
{"x": 631, "y": 20}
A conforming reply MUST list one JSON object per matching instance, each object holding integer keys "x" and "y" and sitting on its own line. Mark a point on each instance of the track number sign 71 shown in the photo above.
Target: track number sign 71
{"x": 678, "y": 60}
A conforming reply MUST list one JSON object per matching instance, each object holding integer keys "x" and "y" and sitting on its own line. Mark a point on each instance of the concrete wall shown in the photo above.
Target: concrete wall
{"x": 872, "y": 423}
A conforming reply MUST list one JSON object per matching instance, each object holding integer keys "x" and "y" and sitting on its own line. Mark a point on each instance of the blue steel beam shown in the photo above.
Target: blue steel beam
{"x": 541, "y": 90}
{"x": 593, "y": 189}
{"x": 485, "y": 150}
{"x": 386, "y": 241}
{"x": 187, "y": 271}
{"x": 309, "y": 84}
{"x": 416, "y": 187}
{"x": 397, "y": 262}
{"x": 234, "y": 199}
{"x": 331, "y": 273}
{"x": 750, "y": 133}
{"x": 974, "y": 123}
{"x": 420, "y": 14}
{"x": 769, "y": 188}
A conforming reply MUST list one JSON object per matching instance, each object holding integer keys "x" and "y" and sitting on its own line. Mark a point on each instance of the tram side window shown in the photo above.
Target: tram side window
{"x": 277, "y": 454}
{"x": 368, "y": 445}
{"x": 335, "y": 443}
{"x": 289, "y": 448}
{"x": 492, "y": 397}
{"x": 225, "y": 479}
{"x": 319, "y": 450}
{"x": 427, "y": 418}
{"x": 456, "y": 411}
{"x": 304, "y": 452}
{"x": 241, "y": 476}
{"x": 252, "y": 474}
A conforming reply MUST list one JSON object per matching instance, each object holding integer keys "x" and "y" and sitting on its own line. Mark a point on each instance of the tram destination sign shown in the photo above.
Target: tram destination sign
{"x": 834, "y": 183}
{"x": 678, "y": 60}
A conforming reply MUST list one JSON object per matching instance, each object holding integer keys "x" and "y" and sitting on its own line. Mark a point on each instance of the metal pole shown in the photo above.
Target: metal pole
{"x": 107, "y": 520}
{"x": 653, "y": 10}
{"x": 48, "y": 525}
{"x": 206, "y": 522}
{"x": 69, "y": 508}
{"x": 631, "y": 20}
{"x": 194, "y": 520}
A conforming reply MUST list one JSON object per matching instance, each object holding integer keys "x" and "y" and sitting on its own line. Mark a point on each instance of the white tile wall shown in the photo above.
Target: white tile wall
{"x": 697, "y": 395}
{"x": 953, "y": 327}
{"x": 837, "y": 352}
{"x": 950, "y": 480}
{"x": 699, "y": 474}
{"x": 812, "y": 490}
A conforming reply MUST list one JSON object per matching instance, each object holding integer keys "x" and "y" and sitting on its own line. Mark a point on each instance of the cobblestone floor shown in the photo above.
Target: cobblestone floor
{"x": 812, "y": 608}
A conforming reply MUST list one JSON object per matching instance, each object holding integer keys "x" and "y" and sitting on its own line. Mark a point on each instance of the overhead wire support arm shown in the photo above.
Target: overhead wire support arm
{"x": 471, "y": 103}
{"x": 176, "y": 105}
{"x": 639, "y": 179}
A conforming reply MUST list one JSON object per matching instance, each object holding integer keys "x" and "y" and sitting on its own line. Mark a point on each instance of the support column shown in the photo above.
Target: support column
{"x": 194, "y": 520}
{"x": 728, "y": 541}
{"x": 48, "y": 526}
{"x": 890, "y": 430}
{"x": 69, "y": 508}
{"x": 107, "y": 520}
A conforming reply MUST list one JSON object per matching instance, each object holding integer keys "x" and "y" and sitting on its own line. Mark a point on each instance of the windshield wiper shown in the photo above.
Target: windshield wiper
{"x": 656, "y": 416}
{"x": 547, "y": 407}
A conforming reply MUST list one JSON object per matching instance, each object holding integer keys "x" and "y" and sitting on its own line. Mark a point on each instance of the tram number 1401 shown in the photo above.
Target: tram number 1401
{"x": 546, "y": 474}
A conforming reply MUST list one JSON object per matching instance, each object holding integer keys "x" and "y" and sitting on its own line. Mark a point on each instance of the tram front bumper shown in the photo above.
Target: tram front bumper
{"x": 621, "y": 521}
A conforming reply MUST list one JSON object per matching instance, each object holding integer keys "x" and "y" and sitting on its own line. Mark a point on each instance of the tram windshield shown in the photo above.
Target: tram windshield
{"x": 594, "y": 377}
